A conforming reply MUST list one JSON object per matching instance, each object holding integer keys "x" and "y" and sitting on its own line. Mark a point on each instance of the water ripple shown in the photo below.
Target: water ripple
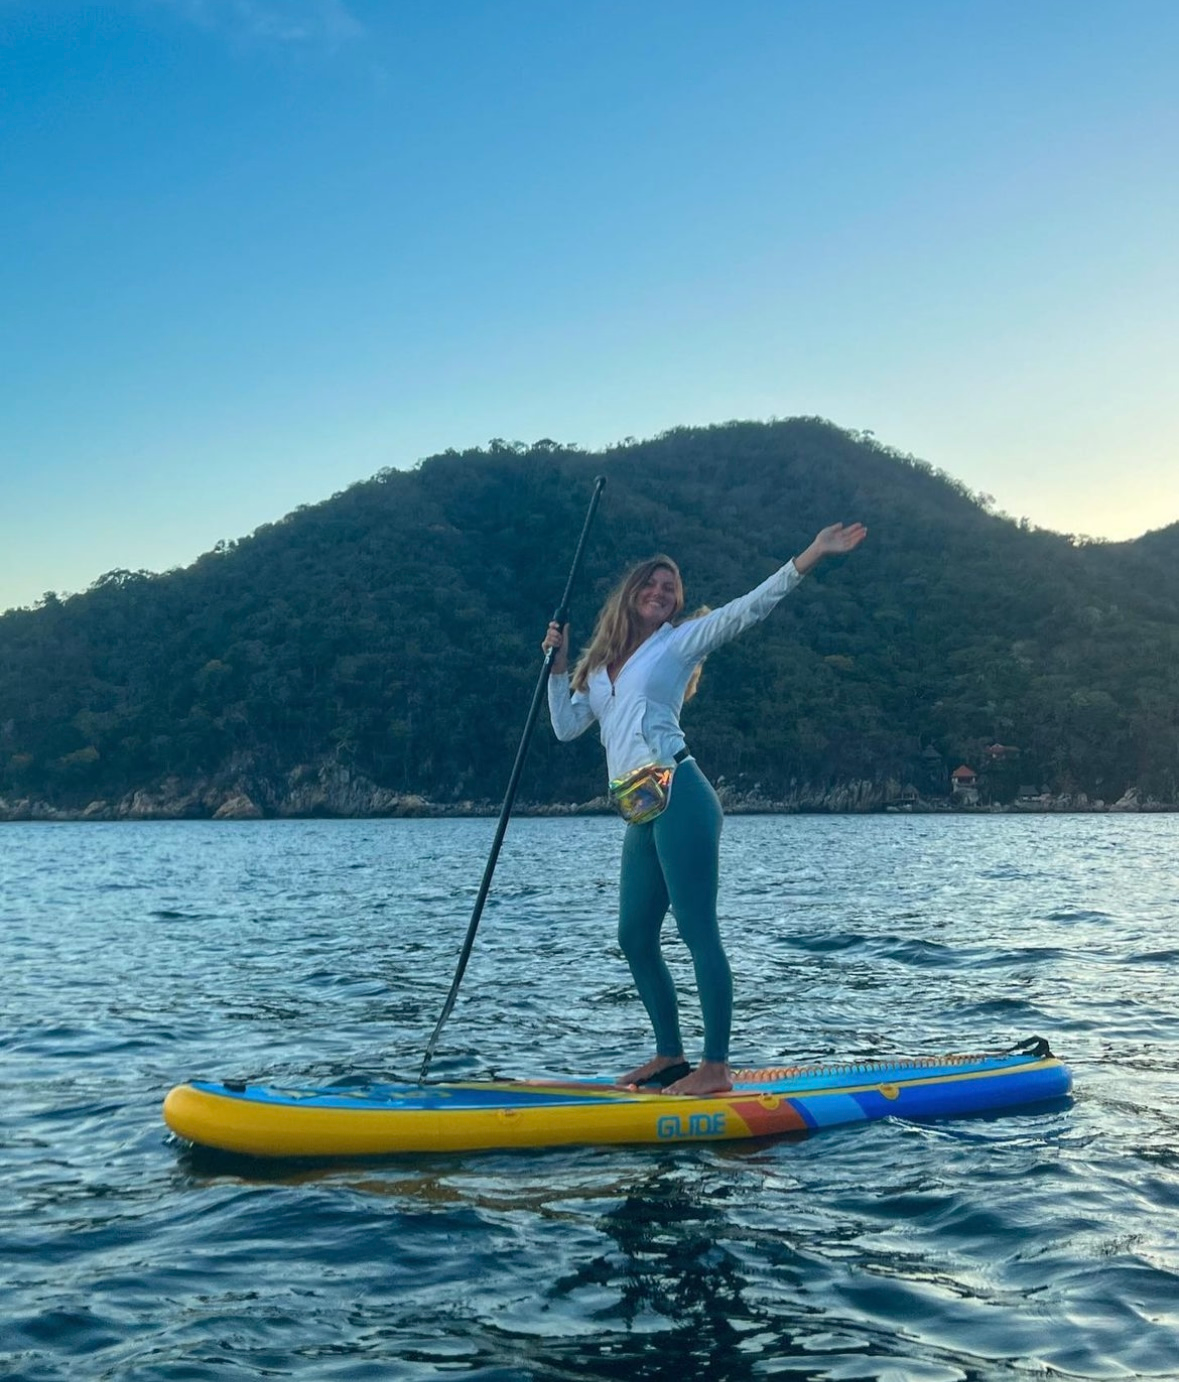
{"x": 136, "y": 956}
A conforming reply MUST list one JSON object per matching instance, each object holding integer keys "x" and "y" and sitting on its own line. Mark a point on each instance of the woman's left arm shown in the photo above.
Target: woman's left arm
{"x": 832, "y": 541}
{"x": 696, "y": 638}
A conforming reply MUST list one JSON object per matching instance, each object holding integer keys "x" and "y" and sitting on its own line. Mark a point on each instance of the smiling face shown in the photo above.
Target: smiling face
{"x": 658, "y": 598}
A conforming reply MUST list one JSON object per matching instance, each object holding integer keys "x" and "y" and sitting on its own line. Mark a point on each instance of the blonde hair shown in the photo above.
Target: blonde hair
{"x": 617, "y": 632}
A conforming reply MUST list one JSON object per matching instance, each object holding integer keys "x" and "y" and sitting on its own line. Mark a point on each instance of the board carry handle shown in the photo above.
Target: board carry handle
{"x": 561, "y": 618}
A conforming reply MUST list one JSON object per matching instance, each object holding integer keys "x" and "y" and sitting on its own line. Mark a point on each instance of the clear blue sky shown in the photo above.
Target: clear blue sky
{"x": 254, "y": 250}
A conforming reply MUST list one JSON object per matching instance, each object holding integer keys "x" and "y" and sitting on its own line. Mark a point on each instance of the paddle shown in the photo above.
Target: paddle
{"x": 561, "y": 617}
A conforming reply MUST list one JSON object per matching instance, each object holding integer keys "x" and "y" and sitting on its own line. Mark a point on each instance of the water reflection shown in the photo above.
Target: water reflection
{"x": 667, "y": 1273}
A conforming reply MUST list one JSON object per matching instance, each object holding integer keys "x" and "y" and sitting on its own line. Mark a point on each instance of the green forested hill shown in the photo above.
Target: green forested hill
{"x": 393, "y": 632}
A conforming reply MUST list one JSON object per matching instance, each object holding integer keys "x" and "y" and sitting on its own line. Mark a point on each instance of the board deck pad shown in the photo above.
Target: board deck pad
{"x": 383, "y": 1119}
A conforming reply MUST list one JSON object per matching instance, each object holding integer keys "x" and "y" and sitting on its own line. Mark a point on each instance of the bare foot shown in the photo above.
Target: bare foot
{"x": 647, "y": 1072}
{"x": 709, "y": 1077}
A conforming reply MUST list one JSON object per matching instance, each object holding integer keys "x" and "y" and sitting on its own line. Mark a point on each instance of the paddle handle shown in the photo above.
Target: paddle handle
{"x": 560, "y": 617}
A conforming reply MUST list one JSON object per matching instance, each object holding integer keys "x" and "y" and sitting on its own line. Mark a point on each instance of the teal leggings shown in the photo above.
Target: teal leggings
{"x": 673, "y": 860}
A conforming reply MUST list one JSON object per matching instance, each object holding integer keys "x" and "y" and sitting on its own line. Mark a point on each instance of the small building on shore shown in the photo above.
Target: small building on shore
{"x": 964, "y": 786}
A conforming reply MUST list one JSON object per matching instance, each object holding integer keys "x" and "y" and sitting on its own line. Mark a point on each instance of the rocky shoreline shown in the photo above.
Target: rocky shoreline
{"x": 333, "y": 792}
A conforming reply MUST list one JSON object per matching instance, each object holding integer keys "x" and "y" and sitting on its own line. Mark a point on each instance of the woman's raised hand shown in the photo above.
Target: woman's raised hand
{"x": 841, "y": 537}
{"x": 557, "y": 638}
{"x": 831, "y": 541}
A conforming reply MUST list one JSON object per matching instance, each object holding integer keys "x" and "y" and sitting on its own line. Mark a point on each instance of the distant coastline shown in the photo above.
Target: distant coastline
{"x": 171, "y": 804}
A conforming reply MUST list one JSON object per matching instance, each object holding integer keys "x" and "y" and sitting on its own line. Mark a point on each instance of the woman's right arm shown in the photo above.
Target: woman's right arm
{"x": 571, "y": 715}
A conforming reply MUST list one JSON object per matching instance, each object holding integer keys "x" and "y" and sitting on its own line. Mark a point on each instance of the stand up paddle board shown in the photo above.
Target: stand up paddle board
{"x": 373, "y": 1120}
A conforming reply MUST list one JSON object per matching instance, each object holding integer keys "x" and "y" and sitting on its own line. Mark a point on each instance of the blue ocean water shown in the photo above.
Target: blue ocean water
{"x": 137, "y": 955}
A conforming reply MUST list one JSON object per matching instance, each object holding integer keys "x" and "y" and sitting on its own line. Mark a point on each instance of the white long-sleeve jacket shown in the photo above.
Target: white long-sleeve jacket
{"x": 639, "y": 712}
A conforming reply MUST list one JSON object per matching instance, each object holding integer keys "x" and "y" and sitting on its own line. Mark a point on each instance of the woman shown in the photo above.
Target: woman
{"x": 633, "y": 679}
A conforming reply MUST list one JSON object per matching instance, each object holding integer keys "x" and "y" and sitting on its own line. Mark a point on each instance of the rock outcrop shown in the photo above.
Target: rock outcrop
{"x": 238, "y": 807}
{"x": 331, "y": 789}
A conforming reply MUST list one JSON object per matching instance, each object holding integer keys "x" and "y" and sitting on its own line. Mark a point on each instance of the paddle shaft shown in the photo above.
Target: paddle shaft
{"x": 561, "y": 617}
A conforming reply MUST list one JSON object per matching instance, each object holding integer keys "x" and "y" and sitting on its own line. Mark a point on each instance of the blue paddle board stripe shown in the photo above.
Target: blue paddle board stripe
{"x": 831, "y": 1110}
{"x": 912, "y": 1090}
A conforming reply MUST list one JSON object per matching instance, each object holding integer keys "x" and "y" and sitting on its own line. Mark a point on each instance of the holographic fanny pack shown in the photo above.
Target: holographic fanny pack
{"x": 642, "y": 794}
